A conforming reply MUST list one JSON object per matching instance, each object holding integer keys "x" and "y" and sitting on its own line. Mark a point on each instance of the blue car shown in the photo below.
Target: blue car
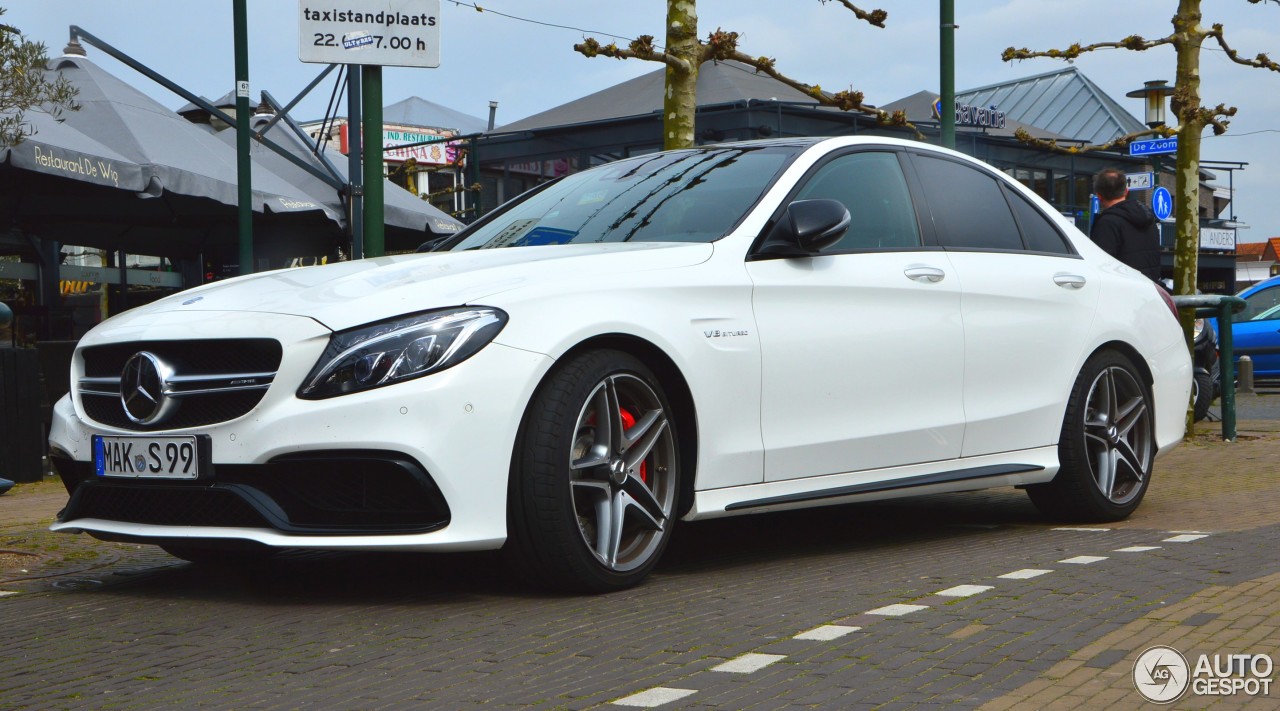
{"x": 1256, "y": 330}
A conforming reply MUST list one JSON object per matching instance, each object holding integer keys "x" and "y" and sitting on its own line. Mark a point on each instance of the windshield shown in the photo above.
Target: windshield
{"x": 680, "y": 196}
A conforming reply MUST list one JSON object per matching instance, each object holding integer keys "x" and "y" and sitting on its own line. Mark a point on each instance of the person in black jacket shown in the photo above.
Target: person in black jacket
{"x": 1125, "y": 229}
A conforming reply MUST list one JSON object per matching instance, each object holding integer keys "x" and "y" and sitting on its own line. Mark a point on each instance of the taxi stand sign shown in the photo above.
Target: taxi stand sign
{"x": 393, "y": 33}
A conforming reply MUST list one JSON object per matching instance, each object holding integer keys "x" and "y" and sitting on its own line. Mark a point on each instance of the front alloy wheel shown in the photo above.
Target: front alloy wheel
{"x": 593, "y": 491}
{"x": 621, "y": 472}
{"x": 1107, "y": 446}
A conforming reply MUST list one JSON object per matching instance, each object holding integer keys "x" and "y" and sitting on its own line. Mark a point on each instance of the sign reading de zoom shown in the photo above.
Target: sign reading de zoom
{"x": 394, "y": 33}
{"x": 1154, "y": 146}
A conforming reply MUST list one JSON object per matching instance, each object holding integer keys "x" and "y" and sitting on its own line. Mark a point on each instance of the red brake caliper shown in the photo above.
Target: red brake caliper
{"x": 629, "y": 421}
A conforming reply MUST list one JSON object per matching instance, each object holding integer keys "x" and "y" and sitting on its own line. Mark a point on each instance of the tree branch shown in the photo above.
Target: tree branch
{"x": 844, "y": 100}
{"x": 1052, "y": 145}
{"x": 640, "y": 48}
{"x": 1262, "y": 61}
{"x": 875, "y": 18}
{"x": 1132, "y": 42}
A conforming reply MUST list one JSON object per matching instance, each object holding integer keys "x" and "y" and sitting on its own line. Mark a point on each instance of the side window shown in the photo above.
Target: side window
{"x": 1260, "y": 302}
{"x": 967, "y": 205}
{"x": 872, "y": 187}
{"x": 1037, "y": 232}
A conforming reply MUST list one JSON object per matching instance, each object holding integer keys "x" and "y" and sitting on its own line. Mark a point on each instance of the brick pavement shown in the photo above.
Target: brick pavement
{"x": 110, "y": 624}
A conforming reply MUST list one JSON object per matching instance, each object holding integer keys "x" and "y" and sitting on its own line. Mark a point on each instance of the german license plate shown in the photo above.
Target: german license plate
{"x": 166, "y": 457}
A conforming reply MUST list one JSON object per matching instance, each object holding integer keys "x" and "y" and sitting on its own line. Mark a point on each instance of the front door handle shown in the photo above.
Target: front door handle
{"x": 929, "y": 274}
{"x": 1069, "y": 281}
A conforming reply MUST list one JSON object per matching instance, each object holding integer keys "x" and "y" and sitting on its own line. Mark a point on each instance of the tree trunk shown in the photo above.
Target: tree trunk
{"x": 1186, "y": 107}
{"x": 681, "y": 101}
{"x": 1189, "y": 36}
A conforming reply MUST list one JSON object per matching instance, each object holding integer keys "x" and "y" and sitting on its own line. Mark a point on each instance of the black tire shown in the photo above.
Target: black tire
{"x": 571, "y": 479}
{"x": 1201, "y": 395}
{"x": 1107, "y": 446}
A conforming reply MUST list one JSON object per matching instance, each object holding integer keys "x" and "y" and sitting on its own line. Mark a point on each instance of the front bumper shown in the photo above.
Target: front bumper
{"x": 421, "y": 465}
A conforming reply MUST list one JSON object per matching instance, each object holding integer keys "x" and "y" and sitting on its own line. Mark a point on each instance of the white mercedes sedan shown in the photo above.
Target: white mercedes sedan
{"x": 725, "y": 330}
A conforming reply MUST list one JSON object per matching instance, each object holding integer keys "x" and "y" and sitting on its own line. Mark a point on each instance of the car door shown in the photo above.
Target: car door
{"x": 1259, "y": 338}
{"x": 1028, "y": 303}
{"x": 862, "y": 346}
{"x": 1256, "y": 332}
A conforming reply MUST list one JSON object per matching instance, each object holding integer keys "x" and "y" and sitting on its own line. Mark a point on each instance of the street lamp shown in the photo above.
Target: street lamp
{"x": 1153, "y": 93}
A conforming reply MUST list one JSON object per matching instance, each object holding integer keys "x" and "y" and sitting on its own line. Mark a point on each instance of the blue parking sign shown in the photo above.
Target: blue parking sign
{"x": 1162, "y": 203}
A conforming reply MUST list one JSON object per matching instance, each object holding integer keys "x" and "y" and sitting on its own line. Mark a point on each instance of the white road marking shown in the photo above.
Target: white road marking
{"x": 1137, "y": 549}
{"x": 1080, "y": 528}
{"x": 1084, "y": 559}
{"x": 656, "y": 696}
{"x": 1025, "y": 573}
{"x": 748, "y": 663}
{"x": 897, "y": 610}
{"x": 8, "y": 592}
{"x": 963, "y": 590}
{"x": 826, "y": 633}
{"x": 1186, "y": 538}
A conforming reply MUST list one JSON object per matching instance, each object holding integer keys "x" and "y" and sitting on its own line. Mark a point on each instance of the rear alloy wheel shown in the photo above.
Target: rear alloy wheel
{"x": 1107, "y": 446}
{"x": 594, "y": 491}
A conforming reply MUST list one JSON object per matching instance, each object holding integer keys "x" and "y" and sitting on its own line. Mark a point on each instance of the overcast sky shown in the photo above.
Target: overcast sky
{"x": 529, "y": 67}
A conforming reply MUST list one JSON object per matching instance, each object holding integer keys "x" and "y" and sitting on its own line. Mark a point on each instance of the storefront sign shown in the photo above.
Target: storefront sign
{"x": 392, "y": 33}
{"x": 1214, "y": 238}
{"x": 967, "y": 115}
{"x": 398, "y": 143}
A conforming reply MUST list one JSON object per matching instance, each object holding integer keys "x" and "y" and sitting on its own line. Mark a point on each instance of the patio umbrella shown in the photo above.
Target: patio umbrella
{"x": 177, "y": 194}
{"x": 409, "y": 219}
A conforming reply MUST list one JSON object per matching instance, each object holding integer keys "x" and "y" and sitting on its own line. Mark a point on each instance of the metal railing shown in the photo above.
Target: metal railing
{"x": 1222, "y": 308}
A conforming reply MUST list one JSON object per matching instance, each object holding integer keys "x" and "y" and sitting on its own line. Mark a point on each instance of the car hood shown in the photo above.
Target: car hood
{"x": 348, "y": 294}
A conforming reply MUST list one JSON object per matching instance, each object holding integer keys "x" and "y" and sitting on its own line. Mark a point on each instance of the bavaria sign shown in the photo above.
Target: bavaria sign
{"x": 1155, "y": 146}
{"x": 966, "y": 115}
{"x": 393, "y": 33}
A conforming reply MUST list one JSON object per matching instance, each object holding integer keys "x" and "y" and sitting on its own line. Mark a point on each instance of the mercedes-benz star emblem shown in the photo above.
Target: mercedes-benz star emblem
{"x": 144, "y": 389}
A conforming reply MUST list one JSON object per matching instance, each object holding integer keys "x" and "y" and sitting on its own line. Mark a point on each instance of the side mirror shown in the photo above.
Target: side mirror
{"x": 808, "y": 227}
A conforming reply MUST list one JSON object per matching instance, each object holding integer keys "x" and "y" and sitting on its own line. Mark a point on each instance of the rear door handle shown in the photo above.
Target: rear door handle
{"x": 1069, "y": 281}
{"x": 929, "y": 274}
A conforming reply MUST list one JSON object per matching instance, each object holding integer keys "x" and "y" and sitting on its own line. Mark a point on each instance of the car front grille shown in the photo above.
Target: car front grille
{"x": 321, "y": 493}
{"x": 212, "y": 380}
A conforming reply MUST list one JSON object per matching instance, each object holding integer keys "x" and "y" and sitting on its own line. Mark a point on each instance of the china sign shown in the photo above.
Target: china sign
{"x": 393, "y": 33}
{"x": 424, "y": 146}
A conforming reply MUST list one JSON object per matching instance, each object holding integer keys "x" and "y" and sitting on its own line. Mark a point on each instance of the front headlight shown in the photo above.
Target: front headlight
{"x": 399, "y": 349}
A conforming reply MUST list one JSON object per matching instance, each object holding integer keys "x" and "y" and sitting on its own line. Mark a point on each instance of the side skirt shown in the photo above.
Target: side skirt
{"x": 904, "y": 483}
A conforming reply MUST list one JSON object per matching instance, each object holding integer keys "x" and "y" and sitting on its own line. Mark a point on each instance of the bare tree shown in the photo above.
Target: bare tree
{"x": 1188, "y": 35}
{"x": 684, "y": 53}
{"x": 24, "y": 86}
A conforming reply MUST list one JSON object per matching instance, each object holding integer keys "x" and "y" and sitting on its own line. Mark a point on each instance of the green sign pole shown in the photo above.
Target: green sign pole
{"x": 244, "y": 174}
{"x": 947, "y": 72}
{"x": 374, "y": 206}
